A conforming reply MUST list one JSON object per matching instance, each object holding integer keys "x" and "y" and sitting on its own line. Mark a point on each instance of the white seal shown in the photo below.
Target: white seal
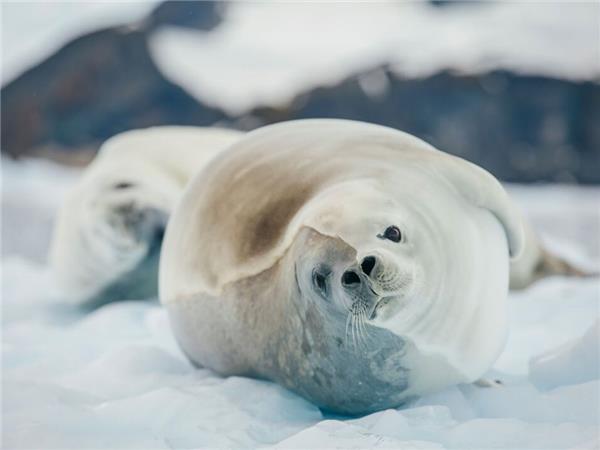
{"x": 352, "y": 263}
{"x": 109, "y": 231}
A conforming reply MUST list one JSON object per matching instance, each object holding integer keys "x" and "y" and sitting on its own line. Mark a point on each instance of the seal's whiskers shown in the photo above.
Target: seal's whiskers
{"x": 356, "y": 325}
{"x": 348, "y": 319}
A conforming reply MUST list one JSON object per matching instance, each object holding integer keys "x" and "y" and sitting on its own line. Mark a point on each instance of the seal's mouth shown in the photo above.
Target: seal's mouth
{"x": 369, "y": 298}
{"x": 380, "y": 303}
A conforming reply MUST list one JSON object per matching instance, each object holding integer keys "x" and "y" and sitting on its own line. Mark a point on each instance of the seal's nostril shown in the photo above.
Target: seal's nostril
{"x": 367, "y": 265}
{"x": 350, "y": 278}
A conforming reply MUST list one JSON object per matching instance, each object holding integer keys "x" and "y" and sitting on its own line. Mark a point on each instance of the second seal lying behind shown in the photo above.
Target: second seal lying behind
{"x": 108, "y": 235}
{"x": 353, "y": 264}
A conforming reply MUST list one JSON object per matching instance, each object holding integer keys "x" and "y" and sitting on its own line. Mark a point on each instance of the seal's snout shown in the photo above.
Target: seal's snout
{"x": 362, "y": 275}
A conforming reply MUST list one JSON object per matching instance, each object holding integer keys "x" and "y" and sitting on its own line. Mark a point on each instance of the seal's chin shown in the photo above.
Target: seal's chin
{"x": 392, "y": 291}
{"x": 379, "y": 306}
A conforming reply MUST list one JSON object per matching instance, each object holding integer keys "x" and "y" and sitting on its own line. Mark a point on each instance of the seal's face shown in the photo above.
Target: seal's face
{"x": 116, "y": 225}
{"x": 367, "y": 285}
{"x": 130, "y": 212}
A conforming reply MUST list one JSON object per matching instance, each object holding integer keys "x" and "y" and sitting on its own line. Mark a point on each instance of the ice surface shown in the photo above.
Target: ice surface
{"x": 576, "y": 361}
{"x": 115, "y": 378}
{"x": 268, "y": 52}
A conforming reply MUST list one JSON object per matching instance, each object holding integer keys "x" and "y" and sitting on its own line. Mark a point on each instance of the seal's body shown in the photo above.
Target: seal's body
{"x": 352, "y": 263}
{"x": 108, "y": 235}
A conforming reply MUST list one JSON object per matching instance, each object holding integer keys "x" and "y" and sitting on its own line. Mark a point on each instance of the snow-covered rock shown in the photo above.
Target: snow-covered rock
{"x": 268, "y": 52}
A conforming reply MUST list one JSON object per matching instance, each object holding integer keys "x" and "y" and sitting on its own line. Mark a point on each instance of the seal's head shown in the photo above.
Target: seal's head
{"x": 357, "y": 291}
{"x": 414, "y": 256}
{"x": 108, "y": 236}
{"x": 369, "y": 285}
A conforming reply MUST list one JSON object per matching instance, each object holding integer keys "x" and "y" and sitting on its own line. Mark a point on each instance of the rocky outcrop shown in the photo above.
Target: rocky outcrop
{"x": 101, "y": 84}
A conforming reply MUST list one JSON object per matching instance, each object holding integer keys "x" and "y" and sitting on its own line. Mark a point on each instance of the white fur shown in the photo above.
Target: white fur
{"x": 522, "y": 269}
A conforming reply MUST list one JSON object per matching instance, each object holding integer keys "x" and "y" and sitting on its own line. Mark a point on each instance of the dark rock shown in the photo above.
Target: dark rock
{"x": 200, "y": 15}
{"x": 96, "y": 86}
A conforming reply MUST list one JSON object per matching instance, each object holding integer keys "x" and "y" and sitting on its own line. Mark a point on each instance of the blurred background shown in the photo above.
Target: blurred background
{"x": 511, "y": 86}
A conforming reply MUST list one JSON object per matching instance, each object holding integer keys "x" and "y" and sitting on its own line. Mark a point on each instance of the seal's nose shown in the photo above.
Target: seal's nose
{"x": 367, "y": 265}
{"x": 350, "y": 278}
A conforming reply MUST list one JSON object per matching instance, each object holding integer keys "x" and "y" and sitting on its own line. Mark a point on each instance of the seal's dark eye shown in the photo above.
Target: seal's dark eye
{"x": 319, "y": 279}
{"x": 393, "y": 233}
{"x": 123, "y": 185}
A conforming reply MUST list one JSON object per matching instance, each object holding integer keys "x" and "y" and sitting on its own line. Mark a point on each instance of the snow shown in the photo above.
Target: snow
{"x": 115, "y": 378}
{"x": 268, "y": 52}
{"x": 576, "y": 361}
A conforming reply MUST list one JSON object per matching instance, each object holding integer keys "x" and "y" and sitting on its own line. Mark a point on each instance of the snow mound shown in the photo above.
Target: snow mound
{"x": 114, "y": 377}
{"x": 265, "y": 53}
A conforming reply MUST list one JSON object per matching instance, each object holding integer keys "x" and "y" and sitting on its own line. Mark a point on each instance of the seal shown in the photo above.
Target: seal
{"x": 351, "y": 263}
{"x": 108, "y": 233}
